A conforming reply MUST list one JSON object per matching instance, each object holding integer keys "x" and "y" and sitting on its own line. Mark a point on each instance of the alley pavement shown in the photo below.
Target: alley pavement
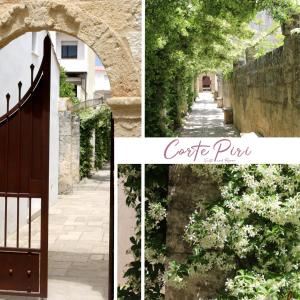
{"x": 206, "y": 120}
{"x": 79, "y": 242}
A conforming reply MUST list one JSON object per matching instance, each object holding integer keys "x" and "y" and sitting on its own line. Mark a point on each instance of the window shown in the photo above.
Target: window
{"x": 106, "y": 78}
{"x": 69, "y": 49}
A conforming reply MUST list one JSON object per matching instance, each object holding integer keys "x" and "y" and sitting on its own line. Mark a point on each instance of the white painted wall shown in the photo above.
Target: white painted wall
{"x": 97, "y": 78}
{"x": 102, "y": 81}
{"x": 54, "y": 129}
{"x": 71, "y": 65}
{"x": 15, "y": 61}
{"x": 91, "y": 74}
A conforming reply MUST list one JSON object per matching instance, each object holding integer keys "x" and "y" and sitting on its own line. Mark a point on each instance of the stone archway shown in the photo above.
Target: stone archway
{"x": 99, "y": 24}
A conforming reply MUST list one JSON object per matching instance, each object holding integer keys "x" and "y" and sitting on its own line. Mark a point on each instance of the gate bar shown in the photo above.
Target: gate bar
{"x": 29, "y": 221}
{"x": 21, "y": 195}
{"x": 32, "y": 70}
{"x": 111, "y": 216}
{"x": 7, "y": 146}
{"x": 19, "y": 167}
{"x": 18, "y": 221}
{"x": 5, "y": 223}
{"x": 25, "y": 250}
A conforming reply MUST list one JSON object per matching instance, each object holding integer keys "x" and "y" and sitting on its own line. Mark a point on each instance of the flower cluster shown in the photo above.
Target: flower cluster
{"x": 252, "y": 233}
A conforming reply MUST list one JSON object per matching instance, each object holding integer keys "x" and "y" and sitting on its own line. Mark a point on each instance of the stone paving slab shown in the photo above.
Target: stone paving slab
{"x": 78, "y": 242}
{"x": 206, "y": 120}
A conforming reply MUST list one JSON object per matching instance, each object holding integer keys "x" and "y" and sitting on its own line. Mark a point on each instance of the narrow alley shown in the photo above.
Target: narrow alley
{"x": 78, "y": 241}
{"x": 206, "y": 120}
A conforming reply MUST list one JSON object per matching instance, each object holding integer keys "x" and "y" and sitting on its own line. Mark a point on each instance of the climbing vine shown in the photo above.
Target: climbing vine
{"x": 98, "y": 121}
{"x": 251, "y": 233}
{"x": 185, "y": 38}
{"x": 131, "y": 177}
{"x": 156, "y": 197}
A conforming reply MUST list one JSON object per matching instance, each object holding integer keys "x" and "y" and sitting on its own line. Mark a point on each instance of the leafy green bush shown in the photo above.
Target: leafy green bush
{"x": 98, "y": 120}
{"x": 66, "y": 89}
{"x": 251, "y": 234}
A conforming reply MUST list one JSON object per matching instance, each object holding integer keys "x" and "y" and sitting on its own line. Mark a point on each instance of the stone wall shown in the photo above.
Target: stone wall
{"x": 265, "y": 93}
{"x": 226, "y": 92}
{"x": 201, "y": 189}
{"x": 69, "y": 151}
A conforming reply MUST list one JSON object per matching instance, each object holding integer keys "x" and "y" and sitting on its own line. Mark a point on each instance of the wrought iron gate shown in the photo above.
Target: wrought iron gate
{"x": 24, "y": 183}
{"x": 111, "y": 213}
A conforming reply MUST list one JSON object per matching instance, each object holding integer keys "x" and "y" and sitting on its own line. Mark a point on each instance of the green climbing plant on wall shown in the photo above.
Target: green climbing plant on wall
{"x": 156, "y": 197}
{"x": 251, "y": 234}
{"x": 131, "y": 177}
{"x": 98, "y": 121}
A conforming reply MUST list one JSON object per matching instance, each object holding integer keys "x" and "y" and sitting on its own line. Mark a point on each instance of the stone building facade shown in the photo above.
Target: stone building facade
{"x": 202, "y": 189}
{"x": 111, "y": 28}
{"x": 265, "y": 93}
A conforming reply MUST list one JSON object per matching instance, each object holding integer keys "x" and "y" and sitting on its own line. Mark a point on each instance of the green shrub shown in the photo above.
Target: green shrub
{"x": 66, "y": 89}
{"x": 91, "y": 120}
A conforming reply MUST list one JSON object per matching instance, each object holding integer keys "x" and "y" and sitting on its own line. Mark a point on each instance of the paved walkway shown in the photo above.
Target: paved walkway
{"x": 78, "y": 242}
{"x": 206, "y": 120}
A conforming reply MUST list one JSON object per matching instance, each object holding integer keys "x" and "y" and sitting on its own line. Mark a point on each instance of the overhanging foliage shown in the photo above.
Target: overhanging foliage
{"x": 184, "y": 38}
{"x": 98, "y": 121}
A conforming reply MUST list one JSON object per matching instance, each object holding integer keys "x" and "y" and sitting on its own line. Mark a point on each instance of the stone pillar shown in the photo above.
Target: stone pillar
{"x": 213, "y": 82}
{"x": 227, "y": 92}
{"x": 69, "y": 148}
{"x": 200, "y": 83}
{"x": 65, "y": 148}
{"x": 75, "y": 148}
{"x": 220, "y": 85}
{"x": 127, "y": 116}
{"x": 291, "y": 50}
{"x": 202, "y": 189}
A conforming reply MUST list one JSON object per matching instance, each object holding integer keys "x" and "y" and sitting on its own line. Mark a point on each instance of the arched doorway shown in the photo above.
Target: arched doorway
{"x": 101, "y": 33}
{"x": 206, "y": 83}
{"x": 18, "y": 162}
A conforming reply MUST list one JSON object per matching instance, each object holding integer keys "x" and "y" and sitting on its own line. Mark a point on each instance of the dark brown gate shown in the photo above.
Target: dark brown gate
{"x": 111, "y": 213}
{"x": 24, "y": 183}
